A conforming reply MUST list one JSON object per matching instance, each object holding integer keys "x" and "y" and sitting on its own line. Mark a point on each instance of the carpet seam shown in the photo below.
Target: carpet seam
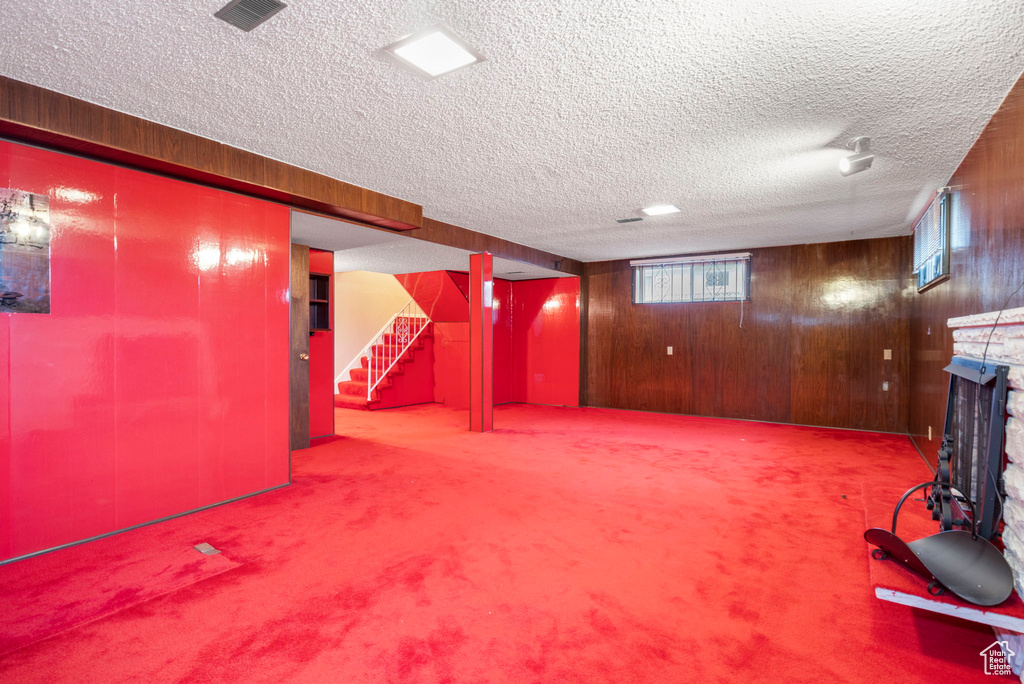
{"x": 104, "y": 616}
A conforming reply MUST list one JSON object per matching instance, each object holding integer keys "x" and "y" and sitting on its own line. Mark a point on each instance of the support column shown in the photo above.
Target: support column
{"x": 481, "y": 344}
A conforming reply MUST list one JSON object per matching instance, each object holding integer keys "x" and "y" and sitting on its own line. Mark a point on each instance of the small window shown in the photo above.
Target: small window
{"x": 715, "y": 278}
{"x": 931, "y": 244}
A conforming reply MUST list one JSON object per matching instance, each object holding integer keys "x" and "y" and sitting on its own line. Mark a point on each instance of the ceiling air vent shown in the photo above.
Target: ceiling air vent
{"x": 628, "y": 220}
{"x": 248, "y": 14}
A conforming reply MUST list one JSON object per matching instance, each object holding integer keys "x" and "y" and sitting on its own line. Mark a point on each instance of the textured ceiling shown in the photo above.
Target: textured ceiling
{"x": 584, "y": 111}
{"x": 357, "y": 248}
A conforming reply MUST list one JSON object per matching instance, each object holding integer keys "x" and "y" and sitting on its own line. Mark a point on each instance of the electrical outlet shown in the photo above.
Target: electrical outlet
{"x": 885, "y": 386}
{"x": 929, "y": 433}
{"x": 887, "y": 354}
{"x": 670, "y": 351}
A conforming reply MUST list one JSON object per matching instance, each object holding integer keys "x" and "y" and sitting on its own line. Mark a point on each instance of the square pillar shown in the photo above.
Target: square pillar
{"x": 481, "y": 343}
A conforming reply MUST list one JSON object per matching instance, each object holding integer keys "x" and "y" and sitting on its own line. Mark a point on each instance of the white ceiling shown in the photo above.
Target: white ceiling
{"x": 358, "y": 248}
{"x": 583, "y": 113}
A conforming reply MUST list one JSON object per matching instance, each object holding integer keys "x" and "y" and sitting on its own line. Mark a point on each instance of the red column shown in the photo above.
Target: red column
{"x": 481, "y": 344}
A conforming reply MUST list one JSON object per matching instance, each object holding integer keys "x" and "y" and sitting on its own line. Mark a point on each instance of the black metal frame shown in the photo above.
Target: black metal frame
{"x": 988, "y": 495}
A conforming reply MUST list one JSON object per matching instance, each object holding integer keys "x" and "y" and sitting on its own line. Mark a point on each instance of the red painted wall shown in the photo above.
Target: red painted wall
{"x": 443, "y": 297}
{"x": 451, "y": 364}
{"x": 438, "y": 295}
{"x": 159, "y": 382}
{"x": 536, "y": 337}
{"x": 546, "y": 341}
{"x": 321, "y": 358}
{"x": 502, "y": 315}
{"x": 414, "y": 383}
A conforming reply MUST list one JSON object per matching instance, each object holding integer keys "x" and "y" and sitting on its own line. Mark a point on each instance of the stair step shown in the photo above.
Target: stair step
{"x": 359, "y": 374}
{"x": 353, "y": 388}
{"x": 387, "y": 351}
{"x": 351, "y": 402}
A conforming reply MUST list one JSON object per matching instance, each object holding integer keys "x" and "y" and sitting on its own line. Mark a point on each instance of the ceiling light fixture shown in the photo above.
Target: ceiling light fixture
{"x": 434, "y": 51}
{"x": 659, "y": 209}
{"x": 860, "y": 160}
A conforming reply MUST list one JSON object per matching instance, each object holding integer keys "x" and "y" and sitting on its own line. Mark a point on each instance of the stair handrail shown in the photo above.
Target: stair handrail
{"x": 365, "y": 351}
{"x": 403, "y": 335}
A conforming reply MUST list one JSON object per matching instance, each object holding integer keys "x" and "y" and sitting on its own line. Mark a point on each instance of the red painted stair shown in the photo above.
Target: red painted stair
{"x": 352, "y": 393}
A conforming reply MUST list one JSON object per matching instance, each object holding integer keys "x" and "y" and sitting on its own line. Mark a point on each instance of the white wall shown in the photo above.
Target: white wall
{"x": 363, "y": 303}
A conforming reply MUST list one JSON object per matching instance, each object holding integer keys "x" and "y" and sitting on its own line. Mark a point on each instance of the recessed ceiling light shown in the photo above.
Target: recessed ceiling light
{"x": 434, "y": 51}
{"x": 659, "y": 209}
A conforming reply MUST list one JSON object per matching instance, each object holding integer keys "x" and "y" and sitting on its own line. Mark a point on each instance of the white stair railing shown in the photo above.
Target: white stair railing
{"x": 394, "y": 339}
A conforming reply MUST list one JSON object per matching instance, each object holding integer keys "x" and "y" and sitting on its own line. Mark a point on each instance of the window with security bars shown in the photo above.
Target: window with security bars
{"x": 931, "y": 243}
{"x": 718, "y": 278}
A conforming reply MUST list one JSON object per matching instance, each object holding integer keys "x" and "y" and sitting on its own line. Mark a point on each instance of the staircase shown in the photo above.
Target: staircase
{"x": 395, "y": 368}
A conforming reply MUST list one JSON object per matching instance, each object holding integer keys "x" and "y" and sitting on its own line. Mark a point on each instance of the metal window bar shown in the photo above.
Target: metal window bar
{"x": 699, "y": 280}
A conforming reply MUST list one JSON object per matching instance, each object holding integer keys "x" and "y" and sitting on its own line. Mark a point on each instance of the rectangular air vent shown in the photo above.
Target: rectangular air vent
{"x": 248, "y": 14}
{"x": 629, "y": 220}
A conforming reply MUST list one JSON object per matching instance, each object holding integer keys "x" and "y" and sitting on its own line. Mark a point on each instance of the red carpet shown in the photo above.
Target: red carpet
{"x": 572, "y": 545}
{"x": 44, "y": 595}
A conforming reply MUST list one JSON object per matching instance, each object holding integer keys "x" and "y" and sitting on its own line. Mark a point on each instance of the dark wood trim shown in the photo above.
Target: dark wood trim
{"x": 39, "y": 116}
{"x": 451, "y": 235}
{"x": 938, "y": 281}
{"x": 454, "y": 236}
{"x": 298, "y": 367}
{"x": 43, "y": 117}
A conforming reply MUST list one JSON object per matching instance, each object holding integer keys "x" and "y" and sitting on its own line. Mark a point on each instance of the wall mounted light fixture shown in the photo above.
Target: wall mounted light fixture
{"x": 861, "y": 158}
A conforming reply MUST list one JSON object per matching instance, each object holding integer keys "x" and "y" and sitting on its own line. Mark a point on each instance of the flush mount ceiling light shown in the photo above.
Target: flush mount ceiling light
{"x": 659, "y": 209}
{"x": 434, "y": 51}
{"x": 860, "y": 160}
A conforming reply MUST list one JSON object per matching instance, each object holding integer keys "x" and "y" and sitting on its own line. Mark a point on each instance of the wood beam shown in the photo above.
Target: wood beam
{"x": 36, "y": 115}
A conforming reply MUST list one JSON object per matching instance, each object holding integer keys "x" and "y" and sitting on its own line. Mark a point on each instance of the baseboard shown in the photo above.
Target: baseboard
{"x": 135, "y": 527}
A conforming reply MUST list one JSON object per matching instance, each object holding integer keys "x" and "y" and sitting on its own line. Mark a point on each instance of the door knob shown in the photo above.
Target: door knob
{"x": 304, "y": 357}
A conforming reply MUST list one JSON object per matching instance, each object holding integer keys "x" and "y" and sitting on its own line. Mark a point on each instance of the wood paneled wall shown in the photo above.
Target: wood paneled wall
{"x": 986, "y": 264}
{"x": 810, "y": 349}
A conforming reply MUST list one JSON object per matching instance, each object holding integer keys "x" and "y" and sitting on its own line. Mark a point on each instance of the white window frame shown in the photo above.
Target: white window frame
{"x": 931, "y": 265}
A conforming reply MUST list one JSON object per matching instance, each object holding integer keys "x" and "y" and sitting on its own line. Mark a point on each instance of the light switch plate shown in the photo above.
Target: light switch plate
{"x": 887, "y": 354}
{"x": 670, "y": 351}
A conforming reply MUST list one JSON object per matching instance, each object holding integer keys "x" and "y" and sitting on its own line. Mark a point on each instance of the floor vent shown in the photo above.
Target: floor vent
{"x": 248, "y": 14}
{"x": 629, "y": 220}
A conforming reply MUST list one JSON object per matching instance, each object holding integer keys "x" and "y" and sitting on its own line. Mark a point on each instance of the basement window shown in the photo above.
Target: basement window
{"x": 713, "y": 278}
{"x": 931, "y": 244}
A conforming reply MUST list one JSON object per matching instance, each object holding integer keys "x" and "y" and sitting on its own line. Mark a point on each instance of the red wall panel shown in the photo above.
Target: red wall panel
{"x": 158, "y": 383}
{"x": 502, "y": 314}
{"x": 321, "y": 358}
{"x": 536, "y": 337}
{"x": 546, "y": 341}
{"x": 438, "y": 295}
{"x": 451, "y": 364}
{"x": 414, "y": 384}
{"x": 481, "y": 343}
